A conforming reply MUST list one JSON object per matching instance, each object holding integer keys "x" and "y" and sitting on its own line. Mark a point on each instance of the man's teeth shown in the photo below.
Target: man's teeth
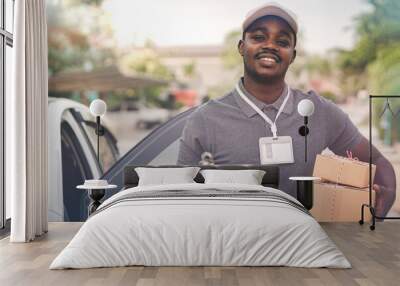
{"x": 269, "y": 60}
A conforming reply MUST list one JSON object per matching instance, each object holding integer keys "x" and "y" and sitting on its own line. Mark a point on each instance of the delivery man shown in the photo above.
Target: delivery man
{"x": 263, "y": 106}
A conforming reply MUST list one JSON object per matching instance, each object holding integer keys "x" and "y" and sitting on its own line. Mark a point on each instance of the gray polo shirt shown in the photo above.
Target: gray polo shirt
{"x": 230, "y": 129}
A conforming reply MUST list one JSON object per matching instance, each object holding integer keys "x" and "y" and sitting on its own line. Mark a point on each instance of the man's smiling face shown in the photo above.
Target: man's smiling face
{"x": 268, "y": 48}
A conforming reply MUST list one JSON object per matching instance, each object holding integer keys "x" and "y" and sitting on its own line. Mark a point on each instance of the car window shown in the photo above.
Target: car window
{"x": 109, "y": 152}
{"x": 108, "y": 155}
{"x": 160, "y": 147}
{"x": 75, "y": 170}
{"x": 168, "y": 156}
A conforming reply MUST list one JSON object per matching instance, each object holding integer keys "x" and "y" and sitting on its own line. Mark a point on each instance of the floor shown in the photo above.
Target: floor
{"x": 375, "y": 256}
{"x": 5, "y": 231}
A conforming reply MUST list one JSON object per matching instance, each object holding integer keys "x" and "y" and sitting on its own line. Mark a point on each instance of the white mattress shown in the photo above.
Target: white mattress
{"x": 183, "y": 231}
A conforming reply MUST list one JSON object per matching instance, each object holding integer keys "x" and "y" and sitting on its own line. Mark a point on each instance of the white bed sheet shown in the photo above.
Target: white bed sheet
{"x": 200, "y": 231}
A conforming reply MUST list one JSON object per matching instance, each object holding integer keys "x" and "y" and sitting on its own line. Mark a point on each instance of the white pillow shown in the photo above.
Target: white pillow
{"x": 248, "y": 177}
{"x": 162, "y": 176}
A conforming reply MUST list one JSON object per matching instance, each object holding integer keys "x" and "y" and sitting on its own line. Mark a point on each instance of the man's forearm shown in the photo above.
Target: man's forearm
{"x": 385, "y": 177}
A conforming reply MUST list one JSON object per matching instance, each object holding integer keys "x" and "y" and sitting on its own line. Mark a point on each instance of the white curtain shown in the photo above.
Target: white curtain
{"x": 26, "y": 123}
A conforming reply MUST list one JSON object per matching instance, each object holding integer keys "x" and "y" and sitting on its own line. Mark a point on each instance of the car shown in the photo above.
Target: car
{"x": 72, "y": 157}
{"x": 159, "y": 147}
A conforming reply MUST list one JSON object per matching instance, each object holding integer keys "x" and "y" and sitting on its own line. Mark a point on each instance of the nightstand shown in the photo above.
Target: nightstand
{"x": 305, "y": 190}
{"x": 96, "y": 190}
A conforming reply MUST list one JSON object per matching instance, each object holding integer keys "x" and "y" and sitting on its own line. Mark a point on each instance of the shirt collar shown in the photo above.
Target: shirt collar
{"x": 250, "y": 112}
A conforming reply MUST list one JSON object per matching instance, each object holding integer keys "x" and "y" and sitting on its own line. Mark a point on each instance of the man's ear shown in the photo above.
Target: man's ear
{"x": 294, "y": 56}
{"x": 240, "y": 47}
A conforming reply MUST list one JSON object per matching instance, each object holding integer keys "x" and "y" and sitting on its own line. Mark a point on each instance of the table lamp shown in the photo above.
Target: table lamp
{"x": 98, "y": 108}
{"x": 305, "y": 188}
{"x": 305, "y": 108}
{"x": 96, "y": 188}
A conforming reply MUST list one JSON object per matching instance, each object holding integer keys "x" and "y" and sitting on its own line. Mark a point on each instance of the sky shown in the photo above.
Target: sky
{"x": 325, "y": 24}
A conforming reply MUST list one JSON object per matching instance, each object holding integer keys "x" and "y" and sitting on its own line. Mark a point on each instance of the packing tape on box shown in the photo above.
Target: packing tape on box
{"x": 344, "y": 159}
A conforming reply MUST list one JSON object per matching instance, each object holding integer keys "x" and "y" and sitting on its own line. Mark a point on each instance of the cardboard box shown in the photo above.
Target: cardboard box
{"x": 339, "y": 203}
{"x": 344, "y": 171}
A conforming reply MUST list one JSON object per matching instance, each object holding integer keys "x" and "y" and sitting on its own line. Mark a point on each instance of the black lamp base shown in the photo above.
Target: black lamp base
{"x": 305, "y": 193}
{"x": 305, "y": 190}
{"x": 95, "y": 195}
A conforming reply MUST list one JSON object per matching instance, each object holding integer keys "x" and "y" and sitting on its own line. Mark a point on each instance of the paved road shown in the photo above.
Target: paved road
{"x": 124, "y": 127}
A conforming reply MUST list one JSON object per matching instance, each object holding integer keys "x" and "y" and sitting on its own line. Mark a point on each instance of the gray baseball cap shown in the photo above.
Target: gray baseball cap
{"x": 271, "y": 9}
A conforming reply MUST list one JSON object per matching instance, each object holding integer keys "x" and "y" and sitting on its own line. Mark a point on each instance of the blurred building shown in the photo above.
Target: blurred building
{"x": 199, "y": 68}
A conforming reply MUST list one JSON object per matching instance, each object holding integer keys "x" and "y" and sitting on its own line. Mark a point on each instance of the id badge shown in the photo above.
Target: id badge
{"x": 277, "y": 150}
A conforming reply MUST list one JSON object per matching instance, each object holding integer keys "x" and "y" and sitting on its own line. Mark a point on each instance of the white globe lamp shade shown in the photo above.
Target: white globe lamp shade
{"x": 305, "y": 107}
{"x": 98, "y": 107}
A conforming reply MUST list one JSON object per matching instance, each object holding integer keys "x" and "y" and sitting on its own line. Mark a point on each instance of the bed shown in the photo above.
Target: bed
{"x": 201, "y": 224}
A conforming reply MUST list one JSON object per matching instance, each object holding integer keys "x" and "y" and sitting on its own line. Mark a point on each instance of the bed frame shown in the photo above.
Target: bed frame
{"x": 270, "y": 179}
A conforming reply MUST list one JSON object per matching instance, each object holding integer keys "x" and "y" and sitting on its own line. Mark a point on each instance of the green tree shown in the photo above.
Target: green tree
{"x": 189, "y": 69}
{"x": 79, "y": 36}
{"x": 375, "y": 59}
{"x": 230, "y": 54}
{"x": 147, "y": 62}
{"x": 384, "y": 72}
{"x": 378, "y": 41}
{"x": 320, "y": 65}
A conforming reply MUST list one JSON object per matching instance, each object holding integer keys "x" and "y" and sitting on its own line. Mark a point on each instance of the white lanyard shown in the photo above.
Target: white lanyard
{"x": 274, "y": 129}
